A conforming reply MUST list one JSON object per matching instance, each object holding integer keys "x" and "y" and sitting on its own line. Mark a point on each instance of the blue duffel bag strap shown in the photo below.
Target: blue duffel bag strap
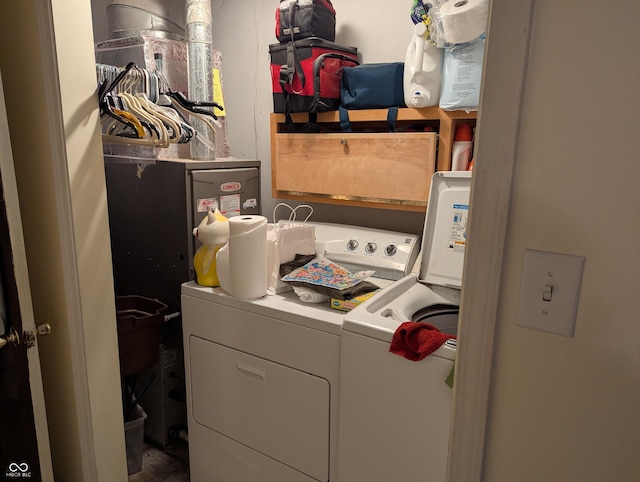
{"x": 345, "y": 125}
{"x": 392, "y": 115}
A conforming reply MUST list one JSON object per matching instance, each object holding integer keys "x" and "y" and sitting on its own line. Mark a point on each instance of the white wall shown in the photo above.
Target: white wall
{"x": 379, "y": 29}
{"x": 566, "y": 409}
{"x": 244, "y": 34}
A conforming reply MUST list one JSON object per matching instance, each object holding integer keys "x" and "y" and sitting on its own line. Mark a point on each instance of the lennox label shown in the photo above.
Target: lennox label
{"x": 230, "y": 186}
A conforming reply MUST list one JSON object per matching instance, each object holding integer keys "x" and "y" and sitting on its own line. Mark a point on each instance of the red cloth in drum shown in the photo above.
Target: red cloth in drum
{"x": 417, "y": 340}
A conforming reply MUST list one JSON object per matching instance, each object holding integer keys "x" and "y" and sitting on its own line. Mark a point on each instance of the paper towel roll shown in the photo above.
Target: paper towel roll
{"x": 222, "y": 268}
{"x": 463, "y": 20}
{"x": 242, "y": 262}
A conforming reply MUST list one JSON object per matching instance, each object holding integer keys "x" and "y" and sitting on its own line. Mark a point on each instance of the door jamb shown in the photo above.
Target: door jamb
{"x": 69, "y": 262}
{"x": 505, "y": 64}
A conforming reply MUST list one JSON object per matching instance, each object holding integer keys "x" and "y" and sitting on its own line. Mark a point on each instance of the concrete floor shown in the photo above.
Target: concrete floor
{"x": 169, "y": 465}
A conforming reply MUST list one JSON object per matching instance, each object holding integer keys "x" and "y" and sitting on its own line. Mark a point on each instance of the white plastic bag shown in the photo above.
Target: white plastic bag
{"x": 457, "y": 22}
{"x": 462, "y": 77}
{"x": 285, "y": 239}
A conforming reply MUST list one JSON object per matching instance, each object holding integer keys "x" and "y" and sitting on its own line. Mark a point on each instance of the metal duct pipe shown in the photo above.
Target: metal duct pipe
{"x": 160, "y": 18}
{"x": 200, "y": 43}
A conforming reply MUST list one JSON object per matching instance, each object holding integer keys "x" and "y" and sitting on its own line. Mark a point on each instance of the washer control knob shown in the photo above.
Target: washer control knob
{"x": 352, "y": 245}
{"x": 390, "y": 250}
{"x": 371, "y": 248}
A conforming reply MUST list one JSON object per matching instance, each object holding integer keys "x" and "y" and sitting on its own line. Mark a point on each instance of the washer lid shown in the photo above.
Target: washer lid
{"x": 445, "y": 229}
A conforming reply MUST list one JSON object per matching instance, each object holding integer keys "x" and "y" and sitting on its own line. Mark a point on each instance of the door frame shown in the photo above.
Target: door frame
{"x": 505, "y": 64}
{"x": 57, "y": 138}
{"x": 58, "y": 151}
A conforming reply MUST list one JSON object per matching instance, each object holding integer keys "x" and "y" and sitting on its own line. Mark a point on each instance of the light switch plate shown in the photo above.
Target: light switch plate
{"x": 555, "y": 276}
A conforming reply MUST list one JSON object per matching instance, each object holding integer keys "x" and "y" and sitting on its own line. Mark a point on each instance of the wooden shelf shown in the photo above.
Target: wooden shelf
{"x": 369, "y": 167}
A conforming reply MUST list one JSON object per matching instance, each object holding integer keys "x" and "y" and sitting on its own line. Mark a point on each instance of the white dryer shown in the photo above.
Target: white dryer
{"x": 395, "y": 413}
{"x": 263, "y": 375}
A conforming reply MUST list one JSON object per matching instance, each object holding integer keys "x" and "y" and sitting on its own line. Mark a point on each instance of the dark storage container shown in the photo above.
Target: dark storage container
{"x": 139, "y": 320}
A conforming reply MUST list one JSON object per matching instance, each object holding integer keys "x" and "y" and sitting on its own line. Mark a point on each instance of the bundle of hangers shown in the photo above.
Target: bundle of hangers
{"x": 138, "y": 107}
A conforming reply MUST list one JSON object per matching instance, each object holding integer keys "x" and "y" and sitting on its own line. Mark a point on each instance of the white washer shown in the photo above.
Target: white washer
{"x": 262, "y": 376}
{"x": 395, "y": 413}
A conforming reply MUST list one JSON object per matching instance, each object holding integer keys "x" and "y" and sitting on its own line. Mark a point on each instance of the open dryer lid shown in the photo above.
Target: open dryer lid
{"x": 445, "y": 229}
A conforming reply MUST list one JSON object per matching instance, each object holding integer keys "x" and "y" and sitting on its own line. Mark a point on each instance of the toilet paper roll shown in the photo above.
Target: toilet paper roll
{"x": 242, "y": 262}
{"x": 463, "y": 20}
